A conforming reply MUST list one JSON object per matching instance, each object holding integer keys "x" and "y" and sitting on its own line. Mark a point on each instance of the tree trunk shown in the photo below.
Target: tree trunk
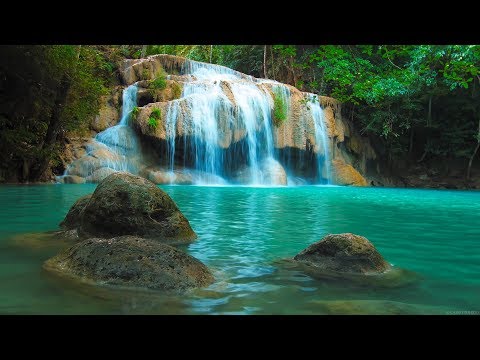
{"x": 273, "y": 68}
{"x": 410, "y": 147}
{"x": 211, "y": 52}
{"x": 293, "y": 71}
{"x": 144, "y": 51}
{"x": 265, "y": 61}
{"x": 53, "y": 129}
{"x": 423, "y": 156}
{"x": 469, "y": 169}
{"x": 429, "y": 116}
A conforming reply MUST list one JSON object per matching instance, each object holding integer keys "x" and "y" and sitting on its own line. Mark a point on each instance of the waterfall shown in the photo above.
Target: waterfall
{"x": 215, "y": 90}
{"x": 253, "y": 108}
{"x": 321, "y": 138}
{"x": 121, "y": 139}
{"x": 114, "y": 149}
{"x": 170, "y": 126}
{"x": 223, "y": 124}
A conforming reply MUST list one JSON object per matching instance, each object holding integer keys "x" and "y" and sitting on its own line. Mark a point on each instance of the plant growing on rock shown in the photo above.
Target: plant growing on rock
{"x": 156, "y": 113}
{"x": 155, "y": 116}
{"x": 308, "y": 99}
{"x": 135, "y": 112}
{"x": 176, "y": 90}
{"x": 280, "y": 109}
{"x": 145, "y": 74}
{"x": 160, "y": 81}
{"x": 152, "y": 123}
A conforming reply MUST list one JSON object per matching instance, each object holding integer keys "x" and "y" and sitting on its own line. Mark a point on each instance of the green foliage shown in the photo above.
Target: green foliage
{"x": 176, "y": 90}
{"x": 155, "y": 116}
{"x": 160, "y": 81}
{"x": 152, "y": 123}
{"x": 307, "y": 100}
{"x": 145, "y": 74}
{"x": 59, "y": 88}
{"x": 280, "y": 109}
{"x": 156, "y": 113}
{"x": 135, "y": 112}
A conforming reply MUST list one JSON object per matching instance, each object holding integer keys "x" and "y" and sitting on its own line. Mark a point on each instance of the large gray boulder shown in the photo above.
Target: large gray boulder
{"x": 130, "y": 261}
{"x": 125, "y": 204}
{"x": 343, "y": 253}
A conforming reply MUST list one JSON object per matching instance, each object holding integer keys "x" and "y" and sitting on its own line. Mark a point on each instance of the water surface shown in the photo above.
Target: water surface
{"x": 243, "y": 232}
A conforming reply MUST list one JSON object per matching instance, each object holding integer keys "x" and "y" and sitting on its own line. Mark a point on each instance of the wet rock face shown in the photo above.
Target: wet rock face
{"x": 270, "y": 172}
{"x": 130, "y": 261}
{"x": 125, "y": 204}
{"x": 345, "y": 174}
{"x": 343, "y": 253}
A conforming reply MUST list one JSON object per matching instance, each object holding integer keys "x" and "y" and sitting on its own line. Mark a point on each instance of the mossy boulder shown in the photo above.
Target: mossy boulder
{"x": 125, "y": 204}
{"x": 129, "y": 261}
{"x": 100, "y": 174}
{"x": 72, "y": 220}
{"x": 343, "y": 253}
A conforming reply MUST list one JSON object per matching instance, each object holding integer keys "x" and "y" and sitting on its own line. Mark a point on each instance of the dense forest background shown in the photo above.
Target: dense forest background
{"x": 419, "y": 104}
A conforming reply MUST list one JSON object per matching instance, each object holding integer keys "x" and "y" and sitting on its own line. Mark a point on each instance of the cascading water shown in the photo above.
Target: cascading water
{"x": 321, "y": 138}
{"x": 253, "y": 107}
{"x": 204, "y": 98}
{"x": 248, "y": 107}
{"x": 115, "y": 148}
{"x": 220, "y": 130}
{"x": 170, "y": 125}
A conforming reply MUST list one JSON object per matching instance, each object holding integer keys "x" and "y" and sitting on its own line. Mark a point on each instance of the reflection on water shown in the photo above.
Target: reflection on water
{"x": 243, "y": 235}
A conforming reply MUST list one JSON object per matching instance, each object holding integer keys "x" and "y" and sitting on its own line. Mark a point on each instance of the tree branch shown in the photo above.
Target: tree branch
{"x": 388, "y": 57}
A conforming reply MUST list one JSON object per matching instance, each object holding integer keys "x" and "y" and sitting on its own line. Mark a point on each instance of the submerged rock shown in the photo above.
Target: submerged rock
{"x": 125, "y": 204}
{"x": 343, "y": 253}
{"x": 130, "y": 261}
{"x": 374, "y": 307}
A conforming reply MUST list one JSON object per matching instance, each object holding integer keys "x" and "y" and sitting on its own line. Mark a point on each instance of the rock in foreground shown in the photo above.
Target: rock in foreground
{"x": 72, "y": 220}
{"x": 343, "y": 253}
{"x": 130, "y": 261}
{"x": 125, "y": 204}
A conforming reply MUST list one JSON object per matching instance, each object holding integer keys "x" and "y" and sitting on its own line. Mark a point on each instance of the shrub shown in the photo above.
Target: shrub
{"x": 176, "y": 91}
{"x": 160, "y": 81}
{"x": 145, "y": 74}
{"x": 280, "y": 109}
{"x": 155, "y": 116}
{"x": 135, "y": 112}
{"x": 152, "y": 123}
{"x": 156, "y": 113}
